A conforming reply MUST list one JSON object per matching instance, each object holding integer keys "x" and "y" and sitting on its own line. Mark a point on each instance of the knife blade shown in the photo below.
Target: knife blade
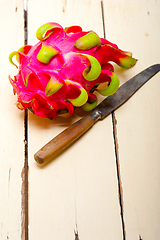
{"x": 108, "y": 105}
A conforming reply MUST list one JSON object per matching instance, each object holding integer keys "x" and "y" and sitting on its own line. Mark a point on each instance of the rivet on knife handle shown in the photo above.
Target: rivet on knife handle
{"x": 65, "y": 138}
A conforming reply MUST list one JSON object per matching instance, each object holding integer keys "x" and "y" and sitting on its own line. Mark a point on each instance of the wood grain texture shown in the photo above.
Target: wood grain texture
{"x": 88, "y": 191}
{"x": 76, "y": 195}
{"x": 63, "y": 140}
{"x": 11, "y": 123}
{"x": 135, "y": 28}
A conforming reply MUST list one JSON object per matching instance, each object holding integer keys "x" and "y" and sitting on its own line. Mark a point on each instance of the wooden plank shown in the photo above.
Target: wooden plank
{"x": 76, "y": 195}
{"x": 134, "y": 26}
{"x": 11, "y": 124}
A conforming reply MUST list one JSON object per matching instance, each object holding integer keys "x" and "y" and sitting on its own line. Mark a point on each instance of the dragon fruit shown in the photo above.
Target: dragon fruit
{"x": 65, "y": 70}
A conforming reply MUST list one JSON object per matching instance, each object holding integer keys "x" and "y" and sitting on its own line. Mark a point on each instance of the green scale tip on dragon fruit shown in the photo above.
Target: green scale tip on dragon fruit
{"x": 64, "y": 70}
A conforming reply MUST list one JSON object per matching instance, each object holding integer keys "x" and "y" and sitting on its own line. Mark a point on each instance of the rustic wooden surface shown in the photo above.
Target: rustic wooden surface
{"x": 106, "y": 186}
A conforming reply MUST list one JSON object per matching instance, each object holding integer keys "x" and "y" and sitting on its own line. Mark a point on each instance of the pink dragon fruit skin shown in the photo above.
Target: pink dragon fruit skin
{"x": 64, "y": 70}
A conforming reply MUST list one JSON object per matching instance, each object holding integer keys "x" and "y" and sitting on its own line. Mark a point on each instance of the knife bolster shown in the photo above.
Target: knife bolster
{"x": 96, "y": 115}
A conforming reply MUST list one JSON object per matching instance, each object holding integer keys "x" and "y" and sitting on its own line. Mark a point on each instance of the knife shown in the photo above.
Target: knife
{"x": 108, "y": 105}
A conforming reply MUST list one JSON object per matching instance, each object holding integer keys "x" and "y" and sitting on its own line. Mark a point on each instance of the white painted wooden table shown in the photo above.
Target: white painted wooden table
{"x": 106, "y": 186}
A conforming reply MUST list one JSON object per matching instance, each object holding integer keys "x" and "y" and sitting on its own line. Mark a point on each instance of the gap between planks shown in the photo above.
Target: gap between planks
{"x": 25, "y": 170}
{"x": 114, "y": 122}
{"x": 120, "y": 189}
{"x": 25, "y": 209}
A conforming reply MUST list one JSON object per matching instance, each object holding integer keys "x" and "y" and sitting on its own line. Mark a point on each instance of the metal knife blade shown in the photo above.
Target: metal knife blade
{"x": 111, "y": 103}
{"x": 108, "y": 105}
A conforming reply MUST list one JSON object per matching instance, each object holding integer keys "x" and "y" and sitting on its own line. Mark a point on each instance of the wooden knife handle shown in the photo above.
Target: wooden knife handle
{"x": 64, "y": 139}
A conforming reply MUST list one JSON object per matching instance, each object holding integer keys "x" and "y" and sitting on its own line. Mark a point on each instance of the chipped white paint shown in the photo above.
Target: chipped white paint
{"x": 135, "y": 26}
{"x": 76, "y": 195}
{"x": 11, "y": 123}
{"x": 78, "y": 191}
